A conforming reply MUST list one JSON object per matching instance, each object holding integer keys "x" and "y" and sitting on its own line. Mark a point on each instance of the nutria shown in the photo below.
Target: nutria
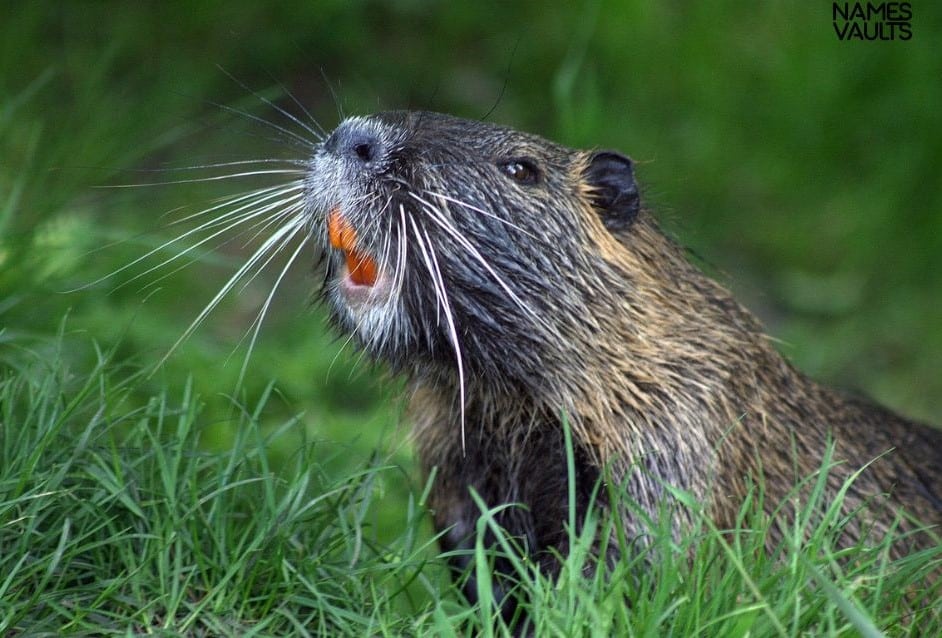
{"x": 517, "y": 283}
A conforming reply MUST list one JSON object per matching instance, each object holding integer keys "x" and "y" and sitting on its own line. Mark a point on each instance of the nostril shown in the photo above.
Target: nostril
{"x": 356, "y": 143}
{"x": 363, "y": 147}
{"x": 365, "y": 151}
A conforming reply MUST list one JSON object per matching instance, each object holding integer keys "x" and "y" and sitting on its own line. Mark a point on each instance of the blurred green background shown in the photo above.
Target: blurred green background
{"x": 801, "y": 170}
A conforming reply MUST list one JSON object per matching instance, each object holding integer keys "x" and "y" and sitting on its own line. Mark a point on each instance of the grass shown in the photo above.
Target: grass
{"x": 115, "y": 521}
{"x": 171, "y": 502}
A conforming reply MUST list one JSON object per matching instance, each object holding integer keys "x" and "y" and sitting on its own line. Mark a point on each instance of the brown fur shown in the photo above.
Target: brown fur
{"x": 702, "y": 384}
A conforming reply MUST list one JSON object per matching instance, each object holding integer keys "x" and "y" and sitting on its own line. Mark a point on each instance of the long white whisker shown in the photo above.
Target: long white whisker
{"x": 216, "y": 221}
{"x": 290, "y": 136}
{"x": 482, "y": 211}
{"x": 297, "y": 221}
{"x": 271, "y": 245}
{"x": 435, "y": 215}
{"x": 403, "y": 248}
{"x": 428, "y": 254}
{"x": 222, "y": 203}
{"x": 238, "y": 218}
{"x": 346, "y": 342}
{"x": 398, "y": 275}
{"x": 316, "y": 135}
{"x": 320, "y": 132}
{"x": 230, "y": 284}
{"x": 264, "y": 310}
{"x": 211, "y": 178}
{"x": 264, "y": 223}
{"x": 384, "y": 261}
{"x": 169, "y": 168}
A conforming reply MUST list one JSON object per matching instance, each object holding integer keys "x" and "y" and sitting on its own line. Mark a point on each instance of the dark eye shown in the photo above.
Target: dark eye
{"x": 520, "y": 170}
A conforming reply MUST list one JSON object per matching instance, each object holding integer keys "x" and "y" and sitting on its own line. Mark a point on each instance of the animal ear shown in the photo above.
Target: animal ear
{"x": 612, "y": 188}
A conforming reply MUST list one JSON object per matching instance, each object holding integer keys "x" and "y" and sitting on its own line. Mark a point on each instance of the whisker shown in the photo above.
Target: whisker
{"x": 231, "y": 283}
{"x": 484, "y": 212}
{"x": 264, "y": 99}
{"x": 387, "y": 239}
{"x": 230, "y": 200}
{"x": 403, "y": 330}
{"x": 320, "y": 129}
{"x": 260, "y": 318}
{"x": 428, "y": 253}
{"x": 298, "y": 221}
{"x": 289, "y": 136}
{"x": 229, "y": 220}
{"x": 168, "y": 168}
{"x": 403, "y": 250}
{"x": 343, "y": 346}
{"x": 211, "y": 178}
{"x": 435, "y": 215}
{"x": 321, "y": 133}
{"x": 263, "y": 224}
{"x": 357, "y": 362}
{"x": 333, "y": 93}
{"x": 246, "y": 204}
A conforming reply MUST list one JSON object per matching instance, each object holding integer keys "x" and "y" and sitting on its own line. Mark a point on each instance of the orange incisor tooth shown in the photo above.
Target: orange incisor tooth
{"x": 338, "y": 229}
{"x": 342, "y": 236}
{"x": 362, "y": 268}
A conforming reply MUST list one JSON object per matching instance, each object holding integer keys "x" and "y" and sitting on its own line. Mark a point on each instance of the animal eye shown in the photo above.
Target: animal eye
{"x": 520, "y": 170}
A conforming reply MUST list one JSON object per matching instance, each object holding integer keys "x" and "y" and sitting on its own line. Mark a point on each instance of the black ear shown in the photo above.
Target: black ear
{"x": 614, "y": 192}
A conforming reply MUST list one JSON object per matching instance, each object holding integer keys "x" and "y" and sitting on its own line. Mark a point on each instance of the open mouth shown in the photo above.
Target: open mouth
{"x": 361, "y": 267}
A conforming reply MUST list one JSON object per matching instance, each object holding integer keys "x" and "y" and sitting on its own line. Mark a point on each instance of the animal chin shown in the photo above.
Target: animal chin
{"x": 361, "y": 267}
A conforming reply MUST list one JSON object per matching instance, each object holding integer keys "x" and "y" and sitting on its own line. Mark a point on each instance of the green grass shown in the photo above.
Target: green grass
{"x": 172, "y": 501}
{"x": 115, "y": 521}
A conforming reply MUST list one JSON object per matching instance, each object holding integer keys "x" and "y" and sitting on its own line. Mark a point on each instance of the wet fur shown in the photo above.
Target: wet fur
{"x": 662, "y": 375}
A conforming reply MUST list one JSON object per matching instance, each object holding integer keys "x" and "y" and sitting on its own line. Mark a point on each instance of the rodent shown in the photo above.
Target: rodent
{"x": 516, "y": 282}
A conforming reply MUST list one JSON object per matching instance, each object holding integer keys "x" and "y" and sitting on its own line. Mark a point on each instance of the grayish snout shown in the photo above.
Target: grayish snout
{"x": 354, "y": 140}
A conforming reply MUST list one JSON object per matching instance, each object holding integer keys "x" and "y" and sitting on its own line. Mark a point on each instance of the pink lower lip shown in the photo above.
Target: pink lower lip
{"x": 357, "y": 293}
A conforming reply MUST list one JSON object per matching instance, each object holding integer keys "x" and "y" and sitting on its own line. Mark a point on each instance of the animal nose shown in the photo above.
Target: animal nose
{"x": 353, "y": 142}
